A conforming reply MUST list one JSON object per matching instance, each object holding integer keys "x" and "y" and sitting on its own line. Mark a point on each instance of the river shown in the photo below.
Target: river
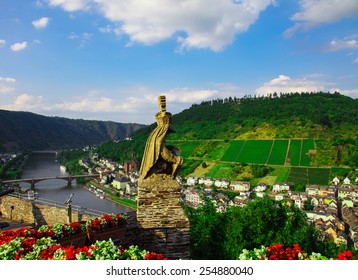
{"x": 43, "y": 164}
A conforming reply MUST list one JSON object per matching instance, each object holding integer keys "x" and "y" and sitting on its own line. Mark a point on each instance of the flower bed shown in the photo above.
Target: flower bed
{"x": 278, "y": 252}
{"x": 106, "y": 221}
{"x": 67, "y": 234}
{"x": 52, "y": 243}
{"x": 109, "y": 226}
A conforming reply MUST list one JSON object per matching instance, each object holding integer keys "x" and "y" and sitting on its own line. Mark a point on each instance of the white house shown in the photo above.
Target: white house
{"x": 280, "y": 187}
{"x": 221, "y": 183}
{"x": 193, "y": 198}
{"x": 313, "y": 215}
{"x": 120, "y": 183}
{"x": 240, "y": 186}
{"x": 336, "y": 181}
{"x": 208, "y": 182}
{"x": 346, "y": 181}
{"x": 201, "y": 181}
{"x": 191, "y": 181}
{"x": 260, "y": 194}
{"x": 314, "y": 201}
{"x": 312, "y": 190}
{"x": 261, "y": 187}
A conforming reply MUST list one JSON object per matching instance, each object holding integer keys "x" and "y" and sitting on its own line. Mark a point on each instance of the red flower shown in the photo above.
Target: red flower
{"x": 154, "y": 256}
{"x": 277, "y": 252}
{"x": 70, "y": 253}
{"x": 96, "y": 224}
{"x": 48, "y": 253}
{"x": 345, "y": 255}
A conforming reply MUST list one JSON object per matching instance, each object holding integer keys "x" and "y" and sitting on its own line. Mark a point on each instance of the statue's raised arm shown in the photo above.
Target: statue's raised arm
{"x": 159, "y": 158}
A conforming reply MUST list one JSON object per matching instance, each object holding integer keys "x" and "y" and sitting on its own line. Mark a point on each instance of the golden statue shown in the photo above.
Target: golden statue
{"x": 159, "y": 158}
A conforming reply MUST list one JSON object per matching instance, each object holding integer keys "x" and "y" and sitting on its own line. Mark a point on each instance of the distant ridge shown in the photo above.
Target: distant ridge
{"x": 25, "y": 131}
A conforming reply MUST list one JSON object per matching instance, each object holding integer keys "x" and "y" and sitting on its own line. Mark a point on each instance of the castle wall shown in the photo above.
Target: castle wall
{"x": 161, "y": 218}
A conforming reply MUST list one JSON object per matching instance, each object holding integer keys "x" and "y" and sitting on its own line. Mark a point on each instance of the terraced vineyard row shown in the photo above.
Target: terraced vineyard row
{"x": 290, "y": 158}
{"x": 275, "y": 152}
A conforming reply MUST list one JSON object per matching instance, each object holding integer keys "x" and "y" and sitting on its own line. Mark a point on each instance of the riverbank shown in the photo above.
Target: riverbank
{"x": 14, "y": 168}
{"x": 112, "y": 195}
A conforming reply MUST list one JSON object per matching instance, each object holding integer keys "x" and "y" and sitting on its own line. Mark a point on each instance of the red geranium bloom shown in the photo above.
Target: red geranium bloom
{"x": 154, "y": 256}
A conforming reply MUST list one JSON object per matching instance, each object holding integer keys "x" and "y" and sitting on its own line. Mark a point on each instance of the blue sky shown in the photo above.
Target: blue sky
{"x": 110, "y": 59}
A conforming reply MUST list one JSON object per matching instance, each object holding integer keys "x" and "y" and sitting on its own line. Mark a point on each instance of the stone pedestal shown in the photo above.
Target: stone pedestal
{"x": 164, "y": 228}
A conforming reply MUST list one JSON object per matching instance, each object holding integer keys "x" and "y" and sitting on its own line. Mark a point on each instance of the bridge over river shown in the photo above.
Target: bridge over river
{"x": 33, "y": 181}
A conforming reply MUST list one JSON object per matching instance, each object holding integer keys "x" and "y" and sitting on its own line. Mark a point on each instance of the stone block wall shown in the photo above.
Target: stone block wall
{"x": 36, "y": 214}
{"x": 162, "y": 223}
{"x": 159, "y": 224}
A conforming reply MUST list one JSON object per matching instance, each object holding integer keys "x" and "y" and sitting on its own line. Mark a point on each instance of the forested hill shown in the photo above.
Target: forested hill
{"x": 294, "y": 115}
{"x": 306, "y": 115}
{"x": 21, "y": 131}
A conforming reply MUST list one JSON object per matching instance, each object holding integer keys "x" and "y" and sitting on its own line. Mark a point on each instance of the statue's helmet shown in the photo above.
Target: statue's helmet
{"x": 165, "y": 119}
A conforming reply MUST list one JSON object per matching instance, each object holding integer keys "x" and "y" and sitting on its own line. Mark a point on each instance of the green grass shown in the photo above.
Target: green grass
{"x": 278, "y": 153}
{"x": 308, "y": 144}
{"x": 319, "y": 176}
{"x": 189, "y": 166}
{"x": 221, "y": 170}
{"x": 297, "y": 175}
{"x": 216, "y": 150}
{"x": 221, "y": 155}
{"x": 339, "y": 172}
{"x": 204, "y": 149}
{"x": 233, "y": 150}
{"x": 186, "y": 147}
{"x": 295, "y": 152}
{"x": 281, "y": 173}
{"x": 255, "y": 151}
{"x": 125, "y": 202}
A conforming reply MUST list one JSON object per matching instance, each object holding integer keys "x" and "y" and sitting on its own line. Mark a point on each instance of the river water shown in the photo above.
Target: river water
{"x": 43, "y": 164}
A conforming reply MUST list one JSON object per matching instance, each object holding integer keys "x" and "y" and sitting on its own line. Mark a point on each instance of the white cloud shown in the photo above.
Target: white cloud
{"x": 188, "y": 95}
{"x": 83, "y": 38}
{"x": 345, "y": 43}
{"x": 6, "y": 85}
{"x": 326, "y": 11}
{"x": 2, "y": 43}
{"x": 18, "y": 46}
{"x": 89, "y": 104}
{"x": 314, "y": 12}
{"x": 26, "y": 102}
{"x": 194, "y": 23}
{"x": 7, "y": 80}
{"x": 132, "y": 104}
{"x": 71, "y": 5}
{"x": 349, "y": 92}
{"x": 41, "y": 23}
{"x": 285, "y": 84}
{"x": 355, "y": 60}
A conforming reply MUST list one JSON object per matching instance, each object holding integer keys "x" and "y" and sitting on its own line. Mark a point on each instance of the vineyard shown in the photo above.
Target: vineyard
{"x": 293, "y": 152}
{"x": 290, "y": 158}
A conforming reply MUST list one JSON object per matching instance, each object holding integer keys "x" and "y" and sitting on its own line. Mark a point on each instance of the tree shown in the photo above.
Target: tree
{"x": 262, "y": 222}
{"x": 206, "y": 232}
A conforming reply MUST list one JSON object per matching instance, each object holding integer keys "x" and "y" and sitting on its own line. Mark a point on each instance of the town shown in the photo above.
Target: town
{"x": 333, "y": 208}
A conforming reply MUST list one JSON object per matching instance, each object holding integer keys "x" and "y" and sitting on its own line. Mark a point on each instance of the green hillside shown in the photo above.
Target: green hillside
{"x": 21, "y": 131}
{"x": 229, "y": 138}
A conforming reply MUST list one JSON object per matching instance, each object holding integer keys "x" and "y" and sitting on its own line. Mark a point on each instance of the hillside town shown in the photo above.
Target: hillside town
{"x": 333, "y": 208}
